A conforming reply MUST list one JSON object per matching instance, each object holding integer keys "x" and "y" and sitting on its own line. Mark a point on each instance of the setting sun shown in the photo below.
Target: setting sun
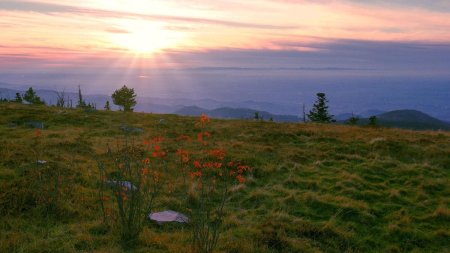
{"x": 207, "y": 126}
{"x": 145, "y": 37}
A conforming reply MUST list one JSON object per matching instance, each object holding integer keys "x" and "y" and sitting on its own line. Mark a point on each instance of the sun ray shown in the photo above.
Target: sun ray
{"x": 145, "y": 38}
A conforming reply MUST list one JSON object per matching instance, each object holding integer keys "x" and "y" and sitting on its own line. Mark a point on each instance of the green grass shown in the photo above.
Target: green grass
{"x": 313, "y": 188}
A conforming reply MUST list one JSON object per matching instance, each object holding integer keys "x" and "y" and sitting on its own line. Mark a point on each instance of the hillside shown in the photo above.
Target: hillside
{"x": 235, "y": 113}
{"x": 363, "y": 114}
{"x": 151, "y": 104}
{"x": 409, "y": 116}
{"x": 410, "y": 119}
{"x": 311, "y": 187}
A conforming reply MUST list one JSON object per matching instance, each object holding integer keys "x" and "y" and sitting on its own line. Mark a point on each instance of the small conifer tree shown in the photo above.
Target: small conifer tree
{"x": 125, "y": 98}
{"x": 31, "y": 97}
{"x": 18, "y": 98}
{"x": 81, "y": 102}
{"x": 373, "y": 121}
{"x": 319, "y": 112}
{"x": 256, "y": 115}
{"x": 107, "y": 106}
{"x": 353, "y": 120}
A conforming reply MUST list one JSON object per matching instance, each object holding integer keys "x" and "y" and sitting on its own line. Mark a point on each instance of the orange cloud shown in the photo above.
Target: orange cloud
{"x": 86, "y": 27}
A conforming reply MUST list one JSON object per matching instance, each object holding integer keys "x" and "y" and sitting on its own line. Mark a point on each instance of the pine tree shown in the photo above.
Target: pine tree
{"x": 31, "y": 97}
{"x": 18, "y": 98}
{"x": 125, "y": 98}
{"x": 81, "y": 102}
{"x": 373, "y": 121}
{"x": 353, "y": 120}
{"x": 107, "y": 107}
{"x": 319, "y": 112}
{"x": 304, "y": 114}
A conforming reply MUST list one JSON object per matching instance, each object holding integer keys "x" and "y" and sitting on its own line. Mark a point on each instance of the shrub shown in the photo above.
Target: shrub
{"x": 125, "y": 98}
{"x": 60, "y": 99}
{"x": 134, "y": 187}
{"x": 206, "y": 173}
{"x": 353, "y": 120}
{"x": 18, "y": 98}
{"x": 211, "y": 175}
{"x": 31, "y": 97}
{"x": 373, "y": 121}
{"x": 107, "y": 107}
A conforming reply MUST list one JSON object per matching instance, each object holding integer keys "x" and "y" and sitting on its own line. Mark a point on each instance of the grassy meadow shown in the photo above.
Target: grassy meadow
{"x": 311, "y": 188}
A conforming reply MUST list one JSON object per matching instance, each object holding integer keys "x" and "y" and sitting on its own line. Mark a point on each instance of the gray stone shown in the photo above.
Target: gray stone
{"x": 41, "y": 162}
{"x": 126, "y": 184}
{"x": 168, "y": 216}
{"x": 134, "y": 130}
{"x": 34, "y": 124}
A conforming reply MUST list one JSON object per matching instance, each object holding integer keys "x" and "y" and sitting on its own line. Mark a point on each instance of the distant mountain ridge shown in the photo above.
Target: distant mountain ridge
{"x": 412, "y": 119}
{"x": 235, "y": 113}
{"x": 408, "y": 119}
{"x": 363, "y": 114}
{"x": 153, "y": 104}
{"x": 215, "y": 109}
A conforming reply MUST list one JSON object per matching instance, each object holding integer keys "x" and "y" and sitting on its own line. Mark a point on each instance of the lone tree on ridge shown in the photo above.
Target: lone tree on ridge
{"x": 81, "y": 102}
{"x": 125, "y": 98}
{"x": 31, "y": 97}
{"x": 319, "y": 112}
{"x": 18, "y": 98}
{"x": 107, "y": 106}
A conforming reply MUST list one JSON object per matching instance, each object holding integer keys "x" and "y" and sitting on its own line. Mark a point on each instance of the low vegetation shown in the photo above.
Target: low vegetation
{"x": 311, "y": 187}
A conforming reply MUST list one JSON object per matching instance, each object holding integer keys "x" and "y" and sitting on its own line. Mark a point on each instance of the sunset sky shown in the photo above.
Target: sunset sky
{"x": 366, "y": 54}
{"x": 54, "y": 34}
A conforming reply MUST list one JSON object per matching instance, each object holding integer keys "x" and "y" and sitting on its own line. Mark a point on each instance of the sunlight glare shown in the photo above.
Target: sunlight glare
{"x": 145, "y": 37}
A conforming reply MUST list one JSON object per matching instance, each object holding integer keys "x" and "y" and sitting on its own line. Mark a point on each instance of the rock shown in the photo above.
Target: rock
{"x": 126, "y": 184}
{"x": 41, "y": 162}
{"x": 34, "y": 124}
{"x": 162, "y": 121}
{"x": 129, "y": 129}
{"x": 168, "y": 216}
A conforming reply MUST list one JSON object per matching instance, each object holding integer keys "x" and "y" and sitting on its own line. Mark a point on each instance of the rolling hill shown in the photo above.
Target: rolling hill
{"x": 150, "y": 104}
{"x": 311, "y": 187}
{"x": 409, "y": 119}
{"x": 235, "y": 113}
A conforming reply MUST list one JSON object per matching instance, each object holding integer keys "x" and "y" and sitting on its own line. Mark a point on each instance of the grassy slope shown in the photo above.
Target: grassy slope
{"x": 314, "y": 187}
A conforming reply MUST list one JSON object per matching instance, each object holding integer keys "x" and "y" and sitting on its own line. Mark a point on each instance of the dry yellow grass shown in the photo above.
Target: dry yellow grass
{"x": 313, "y": 187}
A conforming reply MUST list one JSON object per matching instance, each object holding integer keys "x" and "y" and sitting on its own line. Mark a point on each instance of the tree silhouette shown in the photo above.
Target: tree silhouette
{"x": 18, "y": 98}
{"x": 125, "y": 98}
{"x": 319, "y": 112}
{"x": 81, "y": 102}
{"x": 373, "y": 121}
{"x": 61, "y": 99}
{"x": 353, "y": 120}
{"x": 107, "y": 107}
{"x": 31, "y": 97}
